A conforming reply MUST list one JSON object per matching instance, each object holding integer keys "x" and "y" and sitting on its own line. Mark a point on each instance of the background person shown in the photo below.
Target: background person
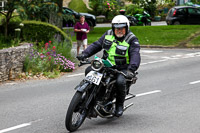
{"x": 81, "y": 28}
{"x": 122, "y": 48}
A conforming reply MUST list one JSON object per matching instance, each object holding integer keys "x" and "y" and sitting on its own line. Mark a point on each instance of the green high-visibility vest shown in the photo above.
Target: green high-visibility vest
{"x": 117, "y": 50}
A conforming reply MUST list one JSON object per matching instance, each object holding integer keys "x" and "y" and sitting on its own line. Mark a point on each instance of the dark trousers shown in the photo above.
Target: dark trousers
{"x": 120, "y": 86}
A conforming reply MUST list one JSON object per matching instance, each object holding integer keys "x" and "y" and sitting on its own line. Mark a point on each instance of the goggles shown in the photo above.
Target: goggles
{"x": 119, "y": 25}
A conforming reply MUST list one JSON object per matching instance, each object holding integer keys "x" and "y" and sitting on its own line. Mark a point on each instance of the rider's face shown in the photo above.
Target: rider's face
{"x": 120, "y": 32}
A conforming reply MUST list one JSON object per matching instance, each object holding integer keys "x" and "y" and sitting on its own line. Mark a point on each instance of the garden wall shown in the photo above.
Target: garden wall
{"x": 11, "y": 62}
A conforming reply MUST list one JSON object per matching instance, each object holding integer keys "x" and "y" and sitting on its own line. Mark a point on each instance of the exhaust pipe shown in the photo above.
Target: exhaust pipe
{"x": 127, "y": 106}
{"x": 129, "y": 97}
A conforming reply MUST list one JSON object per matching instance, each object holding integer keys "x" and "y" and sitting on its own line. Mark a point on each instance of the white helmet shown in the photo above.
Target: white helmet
{"x": 120, "y": 21}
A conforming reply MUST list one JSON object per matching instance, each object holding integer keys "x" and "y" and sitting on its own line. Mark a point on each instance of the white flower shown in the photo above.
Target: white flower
{"x": 18, "y": 29}
{"x": 21, "y": 24}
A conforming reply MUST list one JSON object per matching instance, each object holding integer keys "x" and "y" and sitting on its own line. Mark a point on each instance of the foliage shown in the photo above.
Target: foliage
{"x": 133, "y": 9}
{"x": 6, "y": 42}
{"x": 13, "y": 24}
{"x": 68, "y": 17}
{"x": 109, "y": 8}
{"x": 148, "y": 6}
{"x": 9, "y": 7}
{"x": 195, "y": 1}
{"x": 97, "y": 7}
{"x": 164, "y": 7}
{"x": 28, "y": 9}
{"x": 48, "y": 59}
{"x": 80, "y": 7}
{"x": 38, "y": 10}
{"x": 42, "y": 32}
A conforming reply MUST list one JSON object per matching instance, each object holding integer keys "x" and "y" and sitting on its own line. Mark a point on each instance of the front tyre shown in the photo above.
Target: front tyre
{"x": 76, "y": 113}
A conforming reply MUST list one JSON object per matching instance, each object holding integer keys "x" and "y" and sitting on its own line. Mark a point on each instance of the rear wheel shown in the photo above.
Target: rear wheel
{"x": 177, "y": 23}
{"x": 148, "y": 23}
{"x": 76, "y": 113}
{"x": 90, "y": 24}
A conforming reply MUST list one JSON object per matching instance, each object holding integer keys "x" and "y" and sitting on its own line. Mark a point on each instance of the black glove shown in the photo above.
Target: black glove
{"x": 130, "y": 74}
{"x": 80, "y": 57}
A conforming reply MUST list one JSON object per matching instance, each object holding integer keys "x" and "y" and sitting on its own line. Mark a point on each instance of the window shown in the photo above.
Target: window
{"x": 1, "y": 5}
{"x": 171, "y": 12}
{"x": 181, "y": 11}
{"x": 198, "y": 11}
{"x": 193, "y": 11}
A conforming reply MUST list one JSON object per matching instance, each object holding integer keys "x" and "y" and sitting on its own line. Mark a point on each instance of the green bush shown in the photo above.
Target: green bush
{"x": 133, "y": 9}
{"x": 6, "y": 42}
{"x": 2, "y": 18}
{"x": 97, "y": 7}
{"x": 36, "y": 31}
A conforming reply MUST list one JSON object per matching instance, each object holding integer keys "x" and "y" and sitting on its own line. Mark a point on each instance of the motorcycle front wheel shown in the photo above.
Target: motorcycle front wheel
{"x": 76, "y": 113}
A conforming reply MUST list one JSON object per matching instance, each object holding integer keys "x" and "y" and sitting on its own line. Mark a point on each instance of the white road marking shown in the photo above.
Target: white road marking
{"x": 150, "y": 51}
{"x": 154, "y": 62}
{"x": 195, "y": 82}
{"x": 147, "y": 93}
{"x": 74, "y": 75}
{"x": 15, "y": 127}
{"x": 18, "y": 126}
{"x": 165, "y": 58}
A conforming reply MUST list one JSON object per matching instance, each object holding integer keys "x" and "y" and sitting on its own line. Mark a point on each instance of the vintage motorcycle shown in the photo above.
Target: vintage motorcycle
{"x": 96, "y": 94}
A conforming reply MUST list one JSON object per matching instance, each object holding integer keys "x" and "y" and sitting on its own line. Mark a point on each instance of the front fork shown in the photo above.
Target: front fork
{"x": 84, "y": 86}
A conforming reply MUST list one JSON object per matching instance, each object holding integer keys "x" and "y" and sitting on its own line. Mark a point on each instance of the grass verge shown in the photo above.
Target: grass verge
{"x": 171, "y": 35}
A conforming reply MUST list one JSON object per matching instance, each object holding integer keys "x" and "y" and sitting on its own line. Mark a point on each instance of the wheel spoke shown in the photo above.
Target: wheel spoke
{"x": 77, "y": 118}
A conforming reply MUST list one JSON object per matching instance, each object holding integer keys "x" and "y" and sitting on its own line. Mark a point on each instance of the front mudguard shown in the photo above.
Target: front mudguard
{"x": 82, "y": 87}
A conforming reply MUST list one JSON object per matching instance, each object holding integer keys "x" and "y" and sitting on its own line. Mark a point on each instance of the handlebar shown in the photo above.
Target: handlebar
{"x": 117, "y": 71}
{"x": 84, "y": 62}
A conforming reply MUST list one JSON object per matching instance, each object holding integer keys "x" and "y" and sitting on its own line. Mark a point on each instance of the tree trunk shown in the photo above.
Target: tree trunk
{"x": 56, "y": 18}
{"x": 8, "y": 17}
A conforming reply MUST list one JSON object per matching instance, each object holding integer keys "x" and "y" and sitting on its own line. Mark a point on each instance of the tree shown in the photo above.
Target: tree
{"x": 9, "y": 7}
{"x": 56, "y": 16}
{"x": 33, "y": 10}
{"x": 148, "y": 5}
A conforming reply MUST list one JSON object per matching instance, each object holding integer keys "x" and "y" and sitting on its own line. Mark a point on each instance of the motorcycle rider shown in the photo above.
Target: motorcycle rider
{"x": 122, "y": 48}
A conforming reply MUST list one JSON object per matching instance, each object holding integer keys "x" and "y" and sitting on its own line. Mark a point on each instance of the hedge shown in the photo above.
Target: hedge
{"x": 42, "y": 32}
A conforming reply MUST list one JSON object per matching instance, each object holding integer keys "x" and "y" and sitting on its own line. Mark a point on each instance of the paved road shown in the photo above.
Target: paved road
{"x": 167, "y": 99}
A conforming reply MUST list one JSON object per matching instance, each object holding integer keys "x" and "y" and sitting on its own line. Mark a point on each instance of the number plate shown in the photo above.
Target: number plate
{"x": 94, "y": 77}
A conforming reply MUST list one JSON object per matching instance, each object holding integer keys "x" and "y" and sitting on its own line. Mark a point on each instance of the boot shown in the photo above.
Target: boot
{"x": 119, "y": 110}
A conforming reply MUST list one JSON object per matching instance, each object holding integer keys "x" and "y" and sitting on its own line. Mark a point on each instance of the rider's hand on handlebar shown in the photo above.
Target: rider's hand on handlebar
{"x": 130, "y": 74}
{"x": 81, "y": 57}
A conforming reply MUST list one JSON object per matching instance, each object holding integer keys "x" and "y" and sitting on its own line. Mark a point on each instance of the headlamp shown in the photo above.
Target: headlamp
{"x": 97, "y": 64}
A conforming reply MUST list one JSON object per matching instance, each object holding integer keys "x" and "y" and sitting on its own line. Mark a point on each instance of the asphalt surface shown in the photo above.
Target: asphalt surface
{"x": 167, "y": 99}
